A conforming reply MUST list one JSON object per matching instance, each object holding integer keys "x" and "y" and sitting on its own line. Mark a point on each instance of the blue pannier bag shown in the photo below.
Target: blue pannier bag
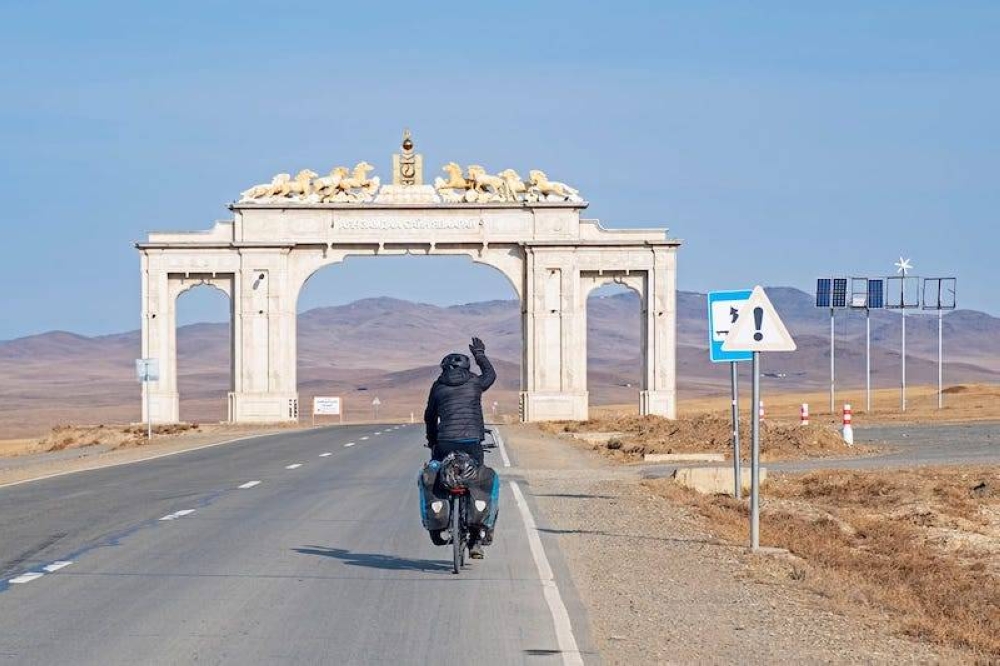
{"x": 434, "y": 509}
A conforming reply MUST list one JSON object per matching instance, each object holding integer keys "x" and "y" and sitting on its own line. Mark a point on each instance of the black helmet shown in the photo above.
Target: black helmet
{"x": 458, "y": 470}
{"x": 456, "y": 361}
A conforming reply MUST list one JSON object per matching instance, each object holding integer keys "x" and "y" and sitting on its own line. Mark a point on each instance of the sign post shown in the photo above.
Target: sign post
{"x": 757, "y": 329}
{"x": 939, "y": 294}
{"x": 147, "y": 370}
{"x": 327, "y": 406}
{"x": 723, "y": 311}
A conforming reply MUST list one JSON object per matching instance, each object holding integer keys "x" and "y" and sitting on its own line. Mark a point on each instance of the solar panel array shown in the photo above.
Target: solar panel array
{"x": 823, "y": 292}
{"x": 839, "y": 299}
{"x": 876, "y": 294}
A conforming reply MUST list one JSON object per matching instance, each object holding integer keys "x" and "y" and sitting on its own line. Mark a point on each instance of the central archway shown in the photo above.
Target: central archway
{"x": 380, "y": 346}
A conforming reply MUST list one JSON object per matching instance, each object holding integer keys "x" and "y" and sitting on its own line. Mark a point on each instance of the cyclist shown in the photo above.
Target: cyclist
{"x": 454, "y": 414}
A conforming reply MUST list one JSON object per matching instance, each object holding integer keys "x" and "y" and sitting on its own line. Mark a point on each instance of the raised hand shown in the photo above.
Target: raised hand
{"x": 477, "y": 347}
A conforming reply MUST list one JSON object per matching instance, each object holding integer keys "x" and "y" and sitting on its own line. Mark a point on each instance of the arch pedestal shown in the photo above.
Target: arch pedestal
{"x": 553, "y": 258}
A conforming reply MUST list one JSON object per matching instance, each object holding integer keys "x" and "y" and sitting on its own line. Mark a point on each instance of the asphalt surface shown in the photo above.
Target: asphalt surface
{"x": 172, "y": 562}
{"x": 902, "y": 446}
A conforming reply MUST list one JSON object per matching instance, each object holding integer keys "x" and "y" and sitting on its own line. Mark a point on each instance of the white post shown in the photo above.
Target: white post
{"x": 832, "y": 380}
{"x": 738, "y": 477}
{"x": 940, "y": 358}
{"x": 868, "y": 360}
{"x": 902, "y": 392}
{"x": 149, "y": 414}
{"x": 848, "y": 426}
{"x": 755, "y": 460}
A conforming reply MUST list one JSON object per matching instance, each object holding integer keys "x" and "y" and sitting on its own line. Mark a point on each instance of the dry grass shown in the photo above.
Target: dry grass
{"x": 962, "y": 402}
{"x": 706, "y": 433}
{"x": 114, "y": 436}
{"x": 922, "y": 545}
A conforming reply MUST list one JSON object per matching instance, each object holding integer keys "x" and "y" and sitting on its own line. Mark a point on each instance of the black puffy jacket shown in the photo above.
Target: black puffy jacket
{"x": 454, "y": 407}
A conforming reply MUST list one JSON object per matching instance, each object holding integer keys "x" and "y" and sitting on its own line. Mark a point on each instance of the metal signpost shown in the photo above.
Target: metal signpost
{"x": 327, "y": 406}
{"x": 147, "y": 370}
{"x": 869, "y": 294}
{"x": 939, "y": 294}
{"x": 832, "y": 293}
{"x": 758, "y": 328}
{"x": 723, "y": 311}
{"x": 903, "y": 292}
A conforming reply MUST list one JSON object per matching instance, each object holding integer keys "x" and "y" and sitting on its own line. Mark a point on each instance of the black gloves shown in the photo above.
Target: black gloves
{"x": 477, "y": 347}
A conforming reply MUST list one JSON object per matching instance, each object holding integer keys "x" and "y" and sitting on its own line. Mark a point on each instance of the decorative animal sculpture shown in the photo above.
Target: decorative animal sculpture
{"x": 456, "y": 181}
{"x": 515, "y": 186}
{"x": 484, "y": 182}
{"x": 327, "y": 185}
{"x": 266, "y": 190}
{"x": 300, "y": 186}
{"x": 546, "y": 186}
{"x": 359, "y": 179}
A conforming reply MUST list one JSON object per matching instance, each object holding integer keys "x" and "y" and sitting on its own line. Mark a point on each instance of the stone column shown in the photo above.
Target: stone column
{"x": 264, "y": 340}
{"x": 158, "y": 339}
{"x": 660, "y": 392}
{"x": 556, "y": 384}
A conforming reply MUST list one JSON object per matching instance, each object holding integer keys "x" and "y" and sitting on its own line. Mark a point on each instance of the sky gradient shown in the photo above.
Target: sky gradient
{"x": 781, "y": 141}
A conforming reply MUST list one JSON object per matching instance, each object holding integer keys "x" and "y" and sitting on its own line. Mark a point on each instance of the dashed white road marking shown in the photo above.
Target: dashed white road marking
{"x": 56, "y": 566}
{"x": 324, "y": 455}
{"x": 379, "y": 432}
{"x": 293, "y": 466}
{"x": 178, "y": 514}
{"x": 249, "y": 484}
{"x": 26, "y": 578}
{"x": 348, "y": 444}
{"x": 560, "y": 617}
{"x": 364, "y": 438}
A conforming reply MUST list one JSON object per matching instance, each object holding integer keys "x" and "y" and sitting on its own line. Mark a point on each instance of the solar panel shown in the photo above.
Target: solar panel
{"x": 839, "y": 299}
{"x": 876, "y": 294}
{"x": 823, "y": 292}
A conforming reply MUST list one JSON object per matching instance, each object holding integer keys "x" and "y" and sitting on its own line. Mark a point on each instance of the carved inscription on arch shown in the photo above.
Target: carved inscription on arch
{"x": 408, "y": 224}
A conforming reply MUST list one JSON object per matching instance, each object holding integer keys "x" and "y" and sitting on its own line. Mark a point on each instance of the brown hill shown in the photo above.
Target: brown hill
{"x": 389, "y": 347}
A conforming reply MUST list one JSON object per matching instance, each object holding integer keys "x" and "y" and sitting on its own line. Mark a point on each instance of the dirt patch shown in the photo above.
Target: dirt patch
{"x": 707, "y": 433}
{"x": 113, "y": 436}
{"x": 922, "y": 546}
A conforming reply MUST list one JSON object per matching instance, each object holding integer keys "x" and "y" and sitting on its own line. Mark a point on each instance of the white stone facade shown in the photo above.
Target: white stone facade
{"x": 552, "y": 257}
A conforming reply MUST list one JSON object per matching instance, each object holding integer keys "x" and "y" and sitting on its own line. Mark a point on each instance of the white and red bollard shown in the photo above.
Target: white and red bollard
{"x": 848, "y": 428}
{"x": 804, "y": 414}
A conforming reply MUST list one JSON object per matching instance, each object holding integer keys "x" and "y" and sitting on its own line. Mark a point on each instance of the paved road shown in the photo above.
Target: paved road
{"x": 172, "y": 562}
{"x": 907, "y": 446}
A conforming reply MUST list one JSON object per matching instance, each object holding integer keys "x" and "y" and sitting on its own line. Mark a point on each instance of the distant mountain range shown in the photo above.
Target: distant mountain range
{"x": 391, "y": 347}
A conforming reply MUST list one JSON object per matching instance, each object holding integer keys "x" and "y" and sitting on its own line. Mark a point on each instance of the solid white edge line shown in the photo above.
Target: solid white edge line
{"x": 26, "y": 578}
{"x": 156, "y": 457}
{"x": 503, "y": 449}
{"x": 293, "y": 466}
{"x": 560, "y": 616}
{"x": 324, "y": 455}
{"x": 249, "y": 484}
{"x": 56, "y": 566}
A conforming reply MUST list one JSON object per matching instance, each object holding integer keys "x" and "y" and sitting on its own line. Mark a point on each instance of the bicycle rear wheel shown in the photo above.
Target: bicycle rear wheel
{"x": 457, "y": 538}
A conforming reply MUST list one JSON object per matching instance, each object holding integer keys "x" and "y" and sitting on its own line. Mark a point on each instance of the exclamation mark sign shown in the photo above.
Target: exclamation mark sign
{"x": 758, "y": 321}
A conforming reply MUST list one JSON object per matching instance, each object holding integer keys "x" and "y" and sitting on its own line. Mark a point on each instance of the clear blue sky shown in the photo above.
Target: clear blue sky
{"x": 780, "y": 140}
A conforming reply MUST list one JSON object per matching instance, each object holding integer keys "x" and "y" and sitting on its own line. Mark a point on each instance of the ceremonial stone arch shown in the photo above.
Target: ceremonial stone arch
{"x": 531, "y": 231}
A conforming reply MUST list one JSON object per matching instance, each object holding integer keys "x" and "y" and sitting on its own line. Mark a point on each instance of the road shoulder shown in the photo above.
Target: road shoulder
{"x": 657, "y": 587}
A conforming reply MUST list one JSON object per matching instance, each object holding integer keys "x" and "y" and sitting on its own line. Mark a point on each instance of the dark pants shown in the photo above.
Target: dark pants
{"x": 470, "y": 446}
